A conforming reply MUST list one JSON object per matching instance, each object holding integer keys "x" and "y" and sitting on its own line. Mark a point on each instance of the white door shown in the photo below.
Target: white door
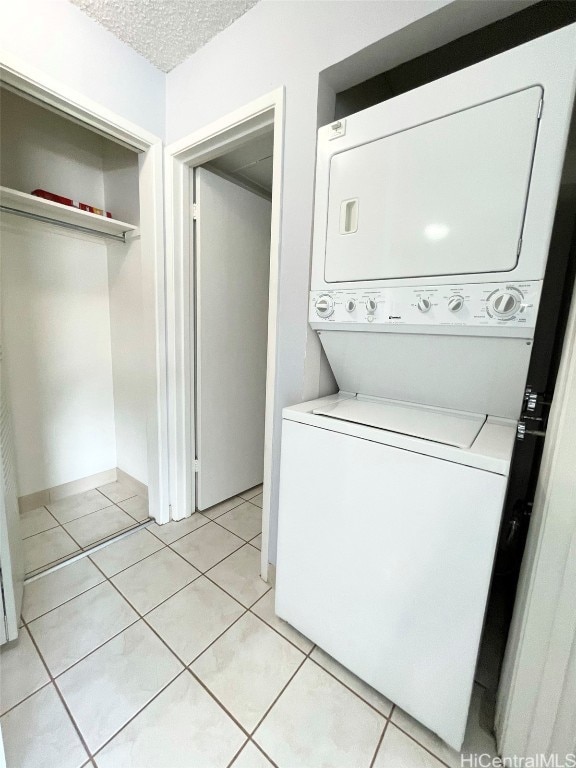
{"x": 232, "y": 261}
{"x": 11, "y": 559}
{"x": 444, "y": 198}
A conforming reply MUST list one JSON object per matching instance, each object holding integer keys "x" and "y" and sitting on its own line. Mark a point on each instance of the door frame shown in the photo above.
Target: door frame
{"x": 181, "y": 157}
{"x": 53, "y": 95}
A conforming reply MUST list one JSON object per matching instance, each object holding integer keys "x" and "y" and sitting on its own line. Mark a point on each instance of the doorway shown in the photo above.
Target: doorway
{"x": 222, "y": 288}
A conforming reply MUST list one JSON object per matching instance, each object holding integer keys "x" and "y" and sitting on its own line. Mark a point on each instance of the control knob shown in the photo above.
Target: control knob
{"x": 371, "y": 306}
{"x": 505, "y": 304}
{"x": 424, "y": 305}
{"x": 455, "y": 303}
{"x": 350, "y": 305}
{"x": 325, "y": 305}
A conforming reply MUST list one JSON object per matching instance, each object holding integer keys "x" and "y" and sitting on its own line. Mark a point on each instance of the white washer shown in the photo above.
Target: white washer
{"x": 386, "y": 542}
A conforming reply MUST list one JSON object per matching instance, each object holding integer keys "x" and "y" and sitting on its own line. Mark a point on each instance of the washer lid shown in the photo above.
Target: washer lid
{"x": 457, "y": 428}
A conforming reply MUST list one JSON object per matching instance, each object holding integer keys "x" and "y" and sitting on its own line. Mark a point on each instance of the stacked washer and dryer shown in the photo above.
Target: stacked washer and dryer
{"x": 433, "y": 218}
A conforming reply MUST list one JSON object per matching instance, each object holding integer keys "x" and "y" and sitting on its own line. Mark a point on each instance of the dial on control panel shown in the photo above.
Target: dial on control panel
{"x": 504, "y": 303}
{"x": 424, "y": 305}
{"x": 350, "y": 305}
{"x": 371, "y": 306}
{"x": 325, "y": 305}
{"x": 455, "y": 303}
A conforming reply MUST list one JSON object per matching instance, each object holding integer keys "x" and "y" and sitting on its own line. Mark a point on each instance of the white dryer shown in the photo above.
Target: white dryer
{"x": 433, "y": 217}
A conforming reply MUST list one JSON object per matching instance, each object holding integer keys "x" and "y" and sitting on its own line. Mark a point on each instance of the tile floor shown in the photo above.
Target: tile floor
{"x": 61, "y": 530}
{"x": 162, "y": 650}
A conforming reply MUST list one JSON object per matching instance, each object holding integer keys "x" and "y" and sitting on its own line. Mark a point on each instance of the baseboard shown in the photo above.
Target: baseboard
{"x": 41, "y": 498}
{"x": 131, "y": 482}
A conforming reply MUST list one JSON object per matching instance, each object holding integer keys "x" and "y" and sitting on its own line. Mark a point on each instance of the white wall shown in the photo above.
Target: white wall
{"x": 284, "y": 43}
{"x": 56, "y": 328}
{"x": 58, "y": 38}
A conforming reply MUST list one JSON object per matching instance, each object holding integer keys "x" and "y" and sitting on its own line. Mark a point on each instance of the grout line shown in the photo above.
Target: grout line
{"x": 379, "y": 744}
{"x": 127, "y": 723}
{"x": 217, "y": 700}
{"x": 211, "y": 643}
{"x": 29, "y": 621}
{"x": 184, "y": 534}
{"x": 186, "y": 667}
{"x": 233, "y": 532}
{"x": 423, "y": 746}
{"x": 237, "y": 754}
{"x": 28, "y": 696}
{"x": 117, "y": 573}
{"x": 285, "y": 686}
{"x": 266, "y": 755}
{"x": 87, "y": 514}
{"x": 59, "y": 694}
{"x": 242, "y": 501}
{"x": 358, "y": 695}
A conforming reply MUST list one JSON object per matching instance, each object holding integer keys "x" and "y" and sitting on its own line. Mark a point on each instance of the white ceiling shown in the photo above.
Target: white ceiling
{"x": 165, "y": 31}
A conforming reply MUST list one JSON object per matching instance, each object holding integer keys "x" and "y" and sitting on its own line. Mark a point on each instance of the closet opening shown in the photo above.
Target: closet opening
{"x": 74, "y": 367}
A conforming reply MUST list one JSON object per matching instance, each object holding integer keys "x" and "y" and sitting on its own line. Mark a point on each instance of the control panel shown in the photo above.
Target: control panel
{"x": 471, "y": 305}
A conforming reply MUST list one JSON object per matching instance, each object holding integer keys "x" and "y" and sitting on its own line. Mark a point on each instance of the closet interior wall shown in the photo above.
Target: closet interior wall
{"x": 72, "y": 308}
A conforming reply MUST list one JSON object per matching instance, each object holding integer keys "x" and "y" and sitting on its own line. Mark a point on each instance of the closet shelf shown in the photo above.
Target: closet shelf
{"x": 30, "y": 206}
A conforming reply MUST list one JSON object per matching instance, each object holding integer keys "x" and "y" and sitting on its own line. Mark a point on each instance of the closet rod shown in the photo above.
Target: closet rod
{"x": 65, "y": 224}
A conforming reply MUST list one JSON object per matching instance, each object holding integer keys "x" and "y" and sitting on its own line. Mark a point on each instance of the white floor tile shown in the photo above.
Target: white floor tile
{"x": 206, "y": 546}
{"x": 36, "y": 521}
{"x": 46, "y": 548}
{"x": 39, "y": 734}
{"x": 151, "y": 581}
{"x": 251, "y": 492}
{"x": 22, "y": 671}
{"x": 257, "y": 500}
{"x": 247, "y": 668}
{"x": 70, "y": 632}
{"x": 182, "y": 728}
{"x": 117, "y": 491}
{"x": 369, "y": 694}
{"x": 110, "y": 686}
{"x": 257, "y": 541}
{"x": 219, "y": 509}
{"x": 319, "y": 723}
{"x": 400, "y": 751}
{"x": 264, "y": 608}
{"x": 251, "y": 757}
{"x": 176, "y": 529}
{"x": 55, "y": 588}
{"x": 137, "y": 507}
{"x": 245, "y": 520}
{"x": 478, "y": 738}
{"x": 126, "y": 552}
{"x": 80, "y": 504}
{"x": 99, "y": 525}
{"x": 194, "y": 617}
{"x": 239, "y": 575}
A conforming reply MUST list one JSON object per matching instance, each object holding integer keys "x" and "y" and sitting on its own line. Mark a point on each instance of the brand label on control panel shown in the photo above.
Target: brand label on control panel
{"x": 480, "y": 305}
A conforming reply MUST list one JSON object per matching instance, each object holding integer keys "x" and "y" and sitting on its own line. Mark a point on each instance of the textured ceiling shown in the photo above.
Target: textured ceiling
{"x": 165, "y": 31}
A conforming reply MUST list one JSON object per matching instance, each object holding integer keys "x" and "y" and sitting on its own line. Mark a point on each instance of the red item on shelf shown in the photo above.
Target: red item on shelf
{"x": 72, "y": 203}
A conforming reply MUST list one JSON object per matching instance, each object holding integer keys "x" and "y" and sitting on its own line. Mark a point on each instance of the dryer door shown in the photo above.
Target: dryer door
{"x": 443, "y": 198}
